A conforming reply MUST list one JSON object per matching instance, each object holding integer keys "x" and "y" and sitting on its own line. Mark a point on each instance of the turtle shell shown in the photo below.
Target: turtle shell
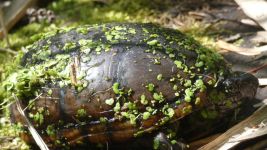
{"x": 113, "y": 82}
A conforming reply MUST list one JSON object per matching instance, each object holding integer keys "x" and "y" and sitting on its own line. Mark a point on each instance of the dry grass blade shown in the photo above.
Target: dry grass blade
{"x": 39, "y": 141}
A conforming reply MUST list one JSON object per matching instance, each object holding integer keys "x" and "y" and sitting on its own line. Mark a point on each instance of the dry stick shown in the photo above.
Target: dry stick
{"x": 38, "y": 139}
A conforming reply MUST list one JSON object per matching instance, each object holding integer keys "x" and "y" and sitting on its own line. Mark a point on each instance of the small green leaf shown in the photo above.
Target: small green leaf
{"x": 159, "y": 97}
{"x": 117, "y": 107}
{"x": 150, "y": 87}
{"x": 81, "y": 112}
{"x": 146, "y": 115}
{"x": 143, "y": 100}
{"x": 178, "y": 64}
{"x": 159, "y": 77}
{"x": 188, "y": 83}
{"x": 115, "y": 88}
{"x": 153, "y": 42}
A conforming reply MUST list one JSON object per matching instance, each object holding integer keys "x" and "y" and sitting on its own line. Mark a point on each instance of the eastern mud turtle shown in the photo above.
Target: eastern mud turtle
{"x": 119, "y": 84}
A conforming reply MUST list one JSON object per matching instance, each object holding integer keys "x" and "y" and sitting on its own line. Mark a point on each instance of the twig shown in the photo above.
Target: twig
{"x": 31, "y": 102}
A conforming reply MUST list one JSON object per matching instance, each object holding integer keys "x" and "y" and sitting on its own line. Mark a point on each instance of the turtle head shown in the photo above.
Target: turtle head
{"x": 240, "y": 83}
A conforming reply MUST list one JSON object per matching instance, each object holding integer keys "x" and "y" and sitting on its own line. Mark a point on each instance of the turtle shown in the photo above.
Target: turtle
{"x": 123, "y": 85}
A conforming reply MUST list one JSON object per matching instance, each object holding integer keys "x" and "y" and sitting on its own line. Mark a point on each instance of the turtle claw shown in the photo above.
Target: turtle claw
{"x": 161, "y": 142}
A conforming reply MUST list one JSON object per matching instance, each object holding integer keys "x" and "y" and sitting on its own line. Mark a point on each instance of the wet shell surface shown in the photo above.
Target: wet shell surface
{"x": 114, "y": 82}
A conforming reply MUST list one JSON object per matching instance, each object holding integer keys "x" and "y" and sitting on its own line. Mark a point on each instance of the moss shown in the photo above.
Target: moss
{"x": 188, "y": 83}
{"x": 209, "y": 114}
{"x": 199, "y": 84}
{"x": 150, "y": 87}
{"x": 117, "y": 107}
{"x": 188, "y": 94}
{"x": 132, "y": 31}
{"x": 157, "y": 61}
{"x": 103, "y": 120}
{"x": 38, "y": 117}
{"x": 82, "y": 30}
{"x": 158, "y": 96}
{"x": 146, "y": 115}
{"x": 81, "y": 113}
{"x": 152, "y": 43}
{"x": 199, "y": 64}
{"x": 178, "y": 64}
{"x": 109, "y": 101}
{"x": 175, "y": 87}
{"x": 168, "y": 111}
{"x": 69, "y": 45}
{"x": 130, "y": 105}
{"x": 143, "y": 100}
{"x": 50, "y": 130}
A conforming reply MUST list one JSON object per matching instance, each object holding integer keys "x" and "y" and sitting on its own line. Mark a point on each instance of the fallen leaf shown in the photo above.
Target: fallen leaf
{"x": 257, "y": 51}
{"x": 256, "y": 10}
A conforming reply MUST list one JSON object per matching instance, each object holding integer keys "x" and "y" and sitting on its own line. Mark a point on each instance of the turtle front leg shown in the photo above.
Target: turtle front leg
{"x": 161, "y": 142}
